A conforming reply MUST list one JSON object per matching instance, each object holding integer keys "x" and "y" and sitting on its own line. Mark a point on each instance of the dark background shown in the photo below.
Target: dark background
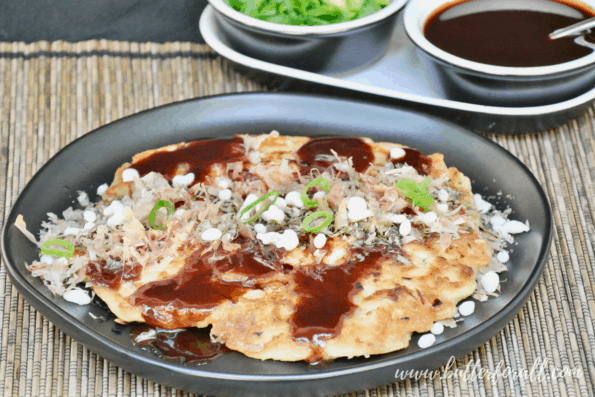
{"x": 76, "y": 20}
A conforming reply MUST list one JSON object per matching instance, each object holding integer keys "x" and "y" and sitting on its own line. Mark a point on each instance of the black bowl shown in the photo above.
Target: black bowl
{"x": 492, "y": 85}
{"x": 334, "y": 48}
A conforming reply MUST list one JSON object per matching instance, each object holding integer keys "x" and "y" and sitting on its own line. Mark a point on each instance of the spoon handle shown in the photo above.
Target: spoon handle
{"x": 577, "y": 28}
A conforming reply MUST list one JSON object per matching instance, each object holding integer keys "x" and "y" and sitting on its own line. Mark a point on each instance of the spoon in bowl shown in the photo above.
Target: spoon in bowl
{"x": 578, "y": 28}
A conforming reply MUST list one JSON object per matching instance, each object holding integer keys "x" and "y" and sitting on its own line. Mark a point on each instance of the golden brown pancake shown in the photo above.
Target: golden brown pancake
{"x": 364, "y": 292}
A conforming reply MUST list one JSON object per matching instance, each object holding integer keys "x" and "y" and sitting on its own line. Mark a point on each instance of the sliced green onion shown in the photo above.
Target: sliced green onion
{"x": 248, "y": 208}
{"x": 65, "y": 254}
{"x": 160, "y": 203}
{"x": 316, "y": 215}
{"x": 417, "y": 193}
{"x": 316, "y": 182}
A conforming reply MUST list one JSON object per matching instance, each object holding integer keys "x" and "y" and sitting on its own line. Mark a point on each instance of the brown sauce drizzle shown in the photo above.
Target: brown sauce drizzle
{"x": 421, "y": 162}
{"x": 408, "y": 211}
{"x": 191, "y": 345}
{"x": 316, "y": 153}
{"x": 197, "y": 157}
{"x": 516, "y": 38}
{"x": 201, "y": 284}
{"x": 112, "y": 278}
{"x": 325, "y": 294}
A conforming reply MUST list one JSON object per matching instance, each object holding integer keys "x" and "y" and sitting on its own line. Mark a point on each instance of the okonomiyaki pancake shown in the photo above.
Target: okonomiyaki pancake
{"x": 383, "y": 268}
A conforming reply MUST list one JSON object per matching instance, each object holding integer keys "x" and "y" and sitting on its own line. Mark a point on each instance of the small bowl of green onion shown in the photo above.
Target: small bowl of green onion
{"x": 323, "y": 36}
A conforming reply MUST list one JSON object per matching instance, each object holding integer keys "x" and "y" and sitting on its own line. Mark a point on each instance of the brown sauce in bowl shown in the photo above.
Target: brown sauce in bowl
{"x": 512, "y": 38}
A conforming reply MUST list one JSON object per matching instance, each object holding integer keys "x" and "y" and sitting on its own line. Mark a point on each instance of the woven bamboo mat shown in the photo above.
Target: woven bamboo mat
{"x": 52, "y": 93}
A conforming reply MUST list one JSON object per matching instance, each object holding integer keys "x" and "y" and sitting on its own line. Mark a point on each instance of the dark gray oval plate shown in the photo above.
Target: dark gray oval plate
{"x": 92, "y": 160}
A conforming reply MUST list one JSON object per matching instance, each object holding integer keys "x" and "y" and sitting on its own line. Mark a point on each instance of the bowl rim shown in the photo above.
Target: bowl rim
{"x": 222, "y": 7}
{"x": 416, "y": 9}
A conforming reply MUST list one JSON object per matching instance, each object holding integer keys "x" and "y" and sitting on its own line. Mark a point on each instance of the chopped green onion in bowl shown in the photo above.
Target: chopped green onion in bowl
{"x": 307, "y": 12}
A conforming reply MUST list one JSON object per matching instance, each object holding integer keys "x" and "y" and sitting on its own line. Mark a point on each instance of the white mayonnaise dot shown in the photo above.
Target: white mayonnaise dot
{"x": 223, "y": 183}
{"x": 116, "y": 219}
{"x": 260, "y": 228}
{"x": 189, "y": 178}
{"x": 273, "y": 214}
{"x": 268, "y": 238}
{"x": 281, "y": 203}
{"x": 442, "y": 207}
{"x": 295, "y": 199}
{"x": 357, "y": 209}
{"x": 482, "y": 205}
{"x": 289, "y": 240}
{"x": 428, "y": 218}
{"x": 249, "y": 200}
{"x": 114, "y": 207}
{"x": 90, "y": 216}
{"x": 211, "y": 234}
{"x": 78, "y": 296}
{"x": 225, "y": 194}
{"x": 405, "y": 227}
{"x": 319, "y": 195}
{"x": 497, "y": 221}
{"x": 356, "y": 204}
{"x": 71, "y": 230}
{"x": 179, "y": 212}
{"x": 397, "y": 153}
{"x": 89, "y": 225}
{"x": 83, "y": 199}
{"x": 443, "y": 195}
{"x": 358, "y": 215}
{"x": 503, "y": 257}
{"x": 319, "y": 240}
{"x": 490, "y": 281}
{"x": 101, "y": 189}
{"x": 128, "y": 174}
{"x": 426, "y": 340}
{"x": 397, "y": 218}
{"x": 515, "y": 227}
{"x": 49, "y": 259}
{"x": 467, "y": 308}
{"x": 183, "y": 180}
{"x": 437, "y": 328}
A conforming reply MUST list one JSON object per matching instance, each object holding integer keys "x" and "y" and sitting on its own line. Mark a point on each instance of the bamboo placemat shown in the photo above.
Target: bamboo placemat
{"x": 52, "y": 93}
